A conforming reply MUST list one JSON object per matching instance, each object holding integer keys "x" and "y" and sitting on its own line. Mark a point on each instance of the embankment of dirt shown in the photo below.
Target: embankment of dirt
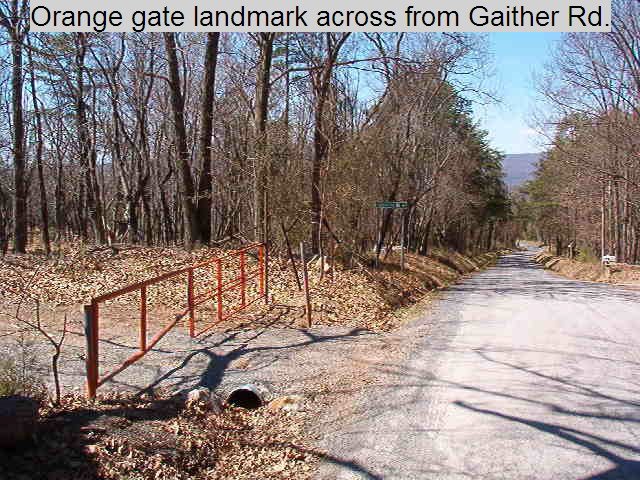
{"x": 359, "y": 296}
{"x": 616, "y": 273}
{"x": 129, "y": 436}
{"x": 150, "y": 437}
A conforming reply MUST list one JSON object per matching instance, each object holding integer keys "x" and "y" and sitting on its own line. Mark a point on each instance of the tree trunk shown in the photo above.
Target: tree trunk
{"x": 424, "y": 246}
{"x": 321, "y": 80}
{"x": 44, "y": 208}
{"x": 86, "y": 145}
{"x": 262, "y": 164}
{"x": 205, "y": 185}
{"x": 59, "y": 194}
{"x": 603, "y": 223}
{"x": 320, "y": 151}
{"x": 186, "y": 188}
{"x": 19, "y": 160}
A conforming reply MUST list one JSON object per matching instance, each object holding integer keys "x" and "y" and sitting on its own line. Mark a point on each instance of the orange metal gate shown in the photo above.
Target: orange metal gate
{"x": 240, "y": 279}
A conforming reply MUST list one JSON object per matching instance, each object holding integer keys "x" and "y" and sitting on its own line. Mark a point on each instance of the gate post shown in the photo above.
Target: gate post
{"x": 266, "y": 272}
{"x": 91, "y": 336}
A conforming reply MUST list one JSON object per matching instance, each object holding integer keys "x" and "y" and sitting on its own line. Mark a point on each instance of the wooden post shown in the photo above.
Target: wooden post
{"x": 266, "y": 273}
{"x": 261, "y": 268}
{"x": 214, "y": 307}
{"x": 305, "y": 277}
{"x": 321, "y": 261}
{"x": 602, "y": 223}
{"x": 379, "y": 228}
{"x": 402, "y": 244}
{"x": 219, "y": 288}
{"x": 291, "y": 259}
{"x": 333, "y": 259}
{"x": 91, "y": 336}
{"x": 265, "y": 240}
{"x": 243, "y": 281}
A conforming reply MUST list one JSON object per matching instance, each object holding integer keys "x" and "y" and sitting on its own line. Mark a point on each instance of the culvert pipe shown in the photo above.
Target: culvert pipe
{"x": 248, "y": 396}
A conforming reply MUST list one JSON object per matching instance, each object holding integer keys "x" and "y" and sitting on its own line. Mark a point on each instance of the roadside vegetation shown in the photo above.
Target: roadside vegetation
{"x": 593, "y": 271}
{"x": 123, "y": 156}
{"x": 585, "y": 199}
{"x": 125, "y": 435}
{"x": 221, "y": 139}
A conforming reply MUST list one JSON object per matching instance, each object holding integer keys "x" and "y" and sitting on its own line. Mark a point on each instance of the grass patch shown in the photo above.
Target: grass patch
{"x": 18, "y": 375}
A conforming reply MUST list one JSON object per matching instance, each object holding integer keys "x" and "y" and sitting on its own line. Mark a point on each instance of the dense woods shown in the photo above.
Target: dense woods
{"x": 587, "y": 189}
{"x": 189, "y": 139}
{"x": 132, "y": 163}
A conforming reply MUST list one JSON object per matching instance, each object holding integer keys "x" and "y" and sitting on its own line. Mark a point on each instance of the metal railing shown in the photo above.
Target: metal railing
{"x": 216, "y": 292}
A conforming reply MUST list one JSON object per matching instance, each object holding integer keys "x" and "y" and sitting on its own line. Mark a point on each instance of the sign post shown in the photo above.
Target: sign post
{"x": 402, "y": 245}
{"x": 392, "y": 205}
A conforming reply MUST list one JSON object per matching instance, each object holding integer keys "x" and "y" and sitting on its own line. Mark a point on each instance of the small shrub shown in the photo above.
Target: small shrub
{"x": 585, "y": 255}
{"x": 18, "y": 377}
{"x": 9, "y": 381}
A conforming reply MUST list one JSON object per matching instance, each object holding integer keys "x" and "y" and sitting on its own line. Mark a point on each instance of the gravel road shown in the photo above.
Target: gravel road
{"x": 515, "y": 373}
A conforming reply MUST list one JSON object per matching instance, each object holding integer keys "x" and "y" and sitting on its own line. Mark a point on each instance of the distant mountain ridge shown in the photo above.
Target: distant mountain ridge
{"x": 519, "y": 168}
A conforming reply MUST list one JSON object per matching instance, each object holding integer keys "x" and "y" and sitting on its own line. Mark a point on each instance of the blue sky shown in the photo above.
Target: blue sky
{"x": 516, "y": 56}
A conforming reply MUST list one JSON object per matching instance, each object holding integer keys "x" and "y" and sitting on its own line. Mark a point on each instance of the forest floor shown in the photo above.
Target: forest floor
{"x": 617, "y": 273}
{"x": 120, "y": 434}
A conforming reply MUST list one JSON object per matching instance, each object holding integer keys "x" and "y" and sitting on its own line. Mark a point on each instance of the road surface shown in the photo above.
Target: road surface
{"x": 516, "y": 374}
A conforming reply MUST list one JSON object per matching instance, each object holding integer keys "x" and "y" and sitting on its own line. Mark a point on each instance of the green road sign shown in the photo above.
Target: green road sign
{"x": 392, "y": 204}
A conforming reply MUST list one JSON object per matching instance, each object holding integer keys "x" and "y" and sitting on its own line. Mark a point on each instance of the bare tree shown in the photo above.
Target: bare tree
{"x": 14, "y": 18}
{"x": 182, "y": 156}
{"x": 205, "y": 184}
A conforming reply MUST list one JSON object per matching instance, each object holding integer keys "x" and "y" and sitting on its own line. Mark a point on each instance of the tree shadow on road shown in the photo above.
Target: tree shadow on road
{"x": 221, "y": 353}
{"x": 624, "y": 468}
{"x": 607, "y": 408}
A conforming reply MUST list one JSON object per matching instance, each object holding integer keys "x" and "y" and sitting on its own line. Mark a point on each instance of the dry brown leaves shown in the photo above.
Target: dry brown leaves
{"x": 127, "y": 437}
{"x": 359, "y": 297}
{"x": 369, "y": 298}
{"x": 79, "y": 274}
{"x": 153, "y": 438}
{"x": 593, "y": 272}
